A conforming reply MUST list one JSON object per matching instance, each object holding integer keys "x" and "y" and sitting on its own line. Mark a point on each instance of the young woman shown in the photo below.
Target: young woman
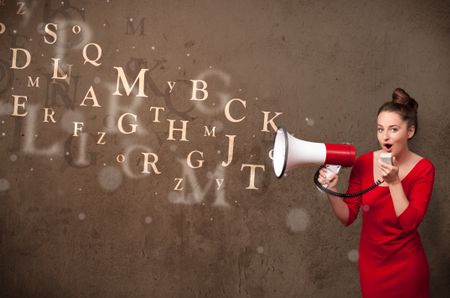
{"x": 392, "y": 262}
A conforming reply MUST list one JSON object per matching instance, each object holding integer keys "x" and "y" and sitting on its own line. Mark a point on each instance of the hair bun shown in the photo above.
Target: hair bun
{"x": 400, "y": 96}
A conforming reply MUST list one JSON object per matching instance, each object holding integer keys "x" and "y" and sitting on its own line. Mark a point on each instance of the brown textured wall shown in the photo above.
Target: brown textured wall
{"x": 75, "y": 222}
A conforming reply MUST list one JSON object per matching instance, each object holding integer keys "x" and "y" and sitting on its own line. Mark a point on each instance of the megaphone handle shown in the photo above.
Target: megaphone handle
{"x": 331, "y": 169}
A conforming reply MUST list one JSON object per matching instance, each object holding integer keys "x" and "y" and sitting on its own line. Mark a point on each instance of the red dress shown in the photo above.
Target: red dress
{"x": 392, "y": 262}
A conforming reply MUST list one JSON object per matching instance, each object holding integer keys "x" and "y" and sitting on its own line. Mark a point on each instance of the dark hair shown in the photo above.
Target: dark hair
{"x": 404, "y": 105}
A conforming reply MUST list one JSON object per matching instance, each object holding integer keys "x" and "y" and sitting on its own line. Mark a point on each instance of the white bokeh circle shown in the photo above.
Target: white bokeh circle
{"x": 297, "y": 220}
{"x": 110, "y": 178}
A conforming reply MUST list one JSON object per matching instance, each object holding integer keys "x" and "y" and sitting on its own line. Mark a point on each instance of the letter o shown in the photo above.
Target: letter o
{"x": 76, "y": 29}
{"x": 120, "y": 158}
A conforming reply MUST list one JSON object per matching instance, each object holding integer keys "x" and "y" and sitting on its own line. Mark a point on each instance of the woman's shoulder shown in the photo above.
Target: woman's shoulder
{"x": 422, "y": 168}
{"x": 424, "y": 163}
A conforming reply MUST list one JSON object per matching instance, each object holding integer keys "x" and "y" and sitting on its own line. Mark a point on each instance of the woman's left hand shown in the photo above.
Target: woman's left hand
{"x": 389, "y": 173}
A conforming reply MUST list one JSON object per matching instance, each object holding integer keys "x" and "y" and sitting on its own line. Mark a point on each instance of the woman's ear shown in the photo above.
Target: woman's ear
{"x": 411, "y": 131}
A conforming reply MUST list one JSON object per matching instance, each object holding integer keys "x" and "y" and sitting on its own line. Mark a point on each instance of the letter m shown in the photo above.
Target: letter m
{"x": 132, "y": 29}
{"x": 121, "y": 78}
{"x": 211, "y": 132}
{"x": 32, "y": 83}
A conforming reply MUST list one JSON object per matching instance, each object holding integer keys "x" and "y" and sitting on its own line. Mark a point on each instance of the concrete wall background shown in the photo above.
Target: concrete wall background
{"x": 74, "y": 222}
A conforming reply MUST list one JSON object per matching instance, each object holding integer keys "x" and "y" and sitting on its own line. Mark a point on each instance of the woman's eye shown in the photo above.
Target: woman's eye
{"x": 380, "y": 130}
{"x": 394, "y": 129}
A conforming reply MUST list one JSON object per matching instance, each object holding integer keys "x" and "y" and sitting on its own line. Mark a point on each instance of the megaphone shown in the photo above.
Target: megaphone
{"x": 290, "y": 152}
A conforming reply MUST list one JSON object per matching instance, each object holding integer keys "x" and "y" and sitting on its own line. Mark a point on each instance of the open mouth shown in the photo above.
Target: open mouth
{"x": 388, "y": 146}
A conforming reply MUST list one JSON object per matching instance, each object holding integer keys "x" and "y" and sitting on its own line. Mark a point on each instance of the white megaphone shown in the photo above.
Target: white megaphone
{"x": 290, "y": 152}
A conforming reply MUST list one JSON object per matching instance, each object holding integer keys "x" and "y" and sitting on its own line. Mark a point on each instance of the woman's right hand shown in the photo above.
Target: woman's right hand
{"x": 328, "y": 177}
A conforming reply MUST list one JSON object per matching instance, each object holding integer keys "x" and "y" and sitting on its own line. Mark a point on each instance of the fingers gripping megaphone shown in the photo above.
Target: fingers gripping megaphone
{"x": 290, "y": 152}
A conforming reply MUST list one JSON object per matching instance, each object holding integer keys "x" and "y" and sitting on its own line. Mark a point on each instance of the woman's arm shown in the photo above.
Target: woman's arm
{"x": 340, "y": 208}
{"x": 390, "y": 176}
{"x": 399, "y": 198}
{"x": 411, "y": 212}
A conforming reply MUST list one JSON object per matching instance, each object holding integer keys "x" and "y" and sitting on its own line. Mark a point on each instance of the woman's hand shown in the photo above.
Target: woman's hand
{"x": 328, "y": 177}
{"x": 389, "y": 173}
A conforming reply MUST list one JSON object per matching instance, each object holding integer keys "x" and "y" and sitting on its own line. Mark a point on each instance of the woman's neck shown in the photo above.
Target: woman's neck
{"x": 403, "y": 156}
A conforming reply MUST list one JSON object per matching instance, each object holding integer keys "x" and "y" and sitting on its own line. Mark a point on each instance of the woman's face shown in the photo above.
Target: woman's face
{"x": 393, "y": 132}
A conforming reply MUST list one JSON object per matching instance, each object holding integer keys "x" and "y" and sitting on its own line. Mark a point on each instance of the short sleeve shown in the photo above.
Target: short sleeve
{"x": 354, "y": 185}
{"x": 419, "y": 198}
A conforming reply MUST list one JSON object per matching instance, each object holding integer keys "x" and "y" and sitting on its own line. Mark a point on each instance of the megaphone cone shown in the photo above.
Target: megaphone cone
{"x": 290, "y": 152}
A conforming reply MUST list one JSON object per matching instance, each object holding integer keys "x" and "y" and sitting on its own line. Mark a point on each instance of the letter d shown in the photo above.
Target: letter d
{"x": 14, "y": 58}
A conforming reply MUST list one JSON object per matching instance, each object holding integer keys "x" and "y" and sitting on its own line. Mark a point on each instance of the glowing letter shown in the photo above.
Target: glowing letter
{"x": 209, "y": 133}
{"x": 99, "y": 54}
{"x": 189, "y": 161}
{"x": 157, "y": 109}
{"x": 57, "y": 69}
{"x": 77, "y": 126}
{"x": 230, "y": 150}
{"x": 14, "y": 58}
{"x": 252, "y": 174}
{"x": 178, "y": 187}
{"x": 133, "y": 126}
{"x": 17, "y": 105}
{"x": 100, "y": 140}
{"x": 202, "y": 89}
{"x": 122, "y": 78}
{"x": 172, "y": 129}
{"x": 171, "y": 85}
{"x": 227, "y": 110}
{"x": 47, "y": 115}
{"x": 51, "y": 33}
{"x": 32, "y": 83}
{"x": 91, "y": 96}
{"x": 266, "y": 121}
{"x": 152, "y": 163}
